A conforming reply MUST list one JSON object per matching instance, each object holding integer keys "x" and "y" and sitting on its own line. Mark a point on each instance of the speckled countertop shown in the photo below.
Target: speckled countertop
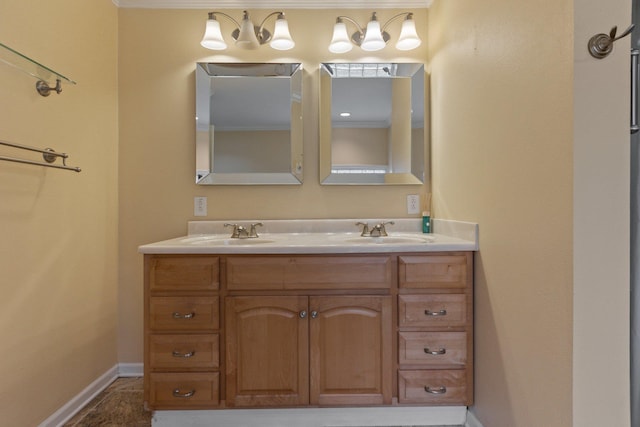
{"x": 319, "y": 236}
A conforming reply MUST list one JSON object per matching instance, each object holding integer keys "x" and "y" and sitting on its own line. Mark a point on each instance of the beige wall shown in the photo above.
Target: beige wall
{"x": 360, "y": 146}
{"x": 531, "y": 141}
{"x": 252, "y": 151}
{"x": 158, "y": 51}
{"x": 58, "y": 262}
{"x": 502, "y": 156}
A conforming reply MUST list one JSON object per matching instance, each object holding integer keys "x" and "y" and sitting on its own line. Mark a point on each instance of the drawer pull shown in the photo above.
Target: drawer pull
{"x": 435, "y": 352}
{"x": 185, "y": 355}
{"x": 178, "y": 393}
{"x": 442, "y": 312}
{"x": 187, "y": 316}
{"x": 439, "y": 390}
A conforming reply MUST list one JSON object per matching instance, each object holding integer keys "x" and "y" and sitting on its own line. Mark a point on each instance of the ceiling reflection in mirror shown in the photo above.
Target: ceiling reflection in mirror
{"x": 248, "y": 123}
{"x": 372, "y": 123}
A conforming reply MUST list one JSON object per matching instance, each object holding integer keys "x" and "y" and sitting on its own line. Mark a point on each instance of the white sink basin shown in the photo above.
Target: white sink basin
{"x": 241, "y": 242}
{"x": 216, "y": 240}
{"x": 390, "y": 240}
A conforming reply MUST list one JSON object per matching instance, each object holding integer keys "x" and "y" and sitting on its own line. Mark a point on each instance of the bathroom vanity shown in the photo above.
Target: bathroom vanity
{"x": 309, "y": 317}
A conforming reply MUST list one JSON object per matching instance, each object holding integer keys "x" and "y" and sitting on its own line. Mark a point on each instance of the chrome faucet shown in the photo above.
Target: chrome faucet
{"x": 241, "y": 232}
{"x": 378, "y": 230}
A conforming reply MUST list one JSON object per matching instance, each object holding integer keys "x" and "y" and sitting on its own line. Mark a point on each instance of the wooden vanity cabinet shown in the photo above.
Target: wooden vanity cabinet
{"x": 308, "y": 330}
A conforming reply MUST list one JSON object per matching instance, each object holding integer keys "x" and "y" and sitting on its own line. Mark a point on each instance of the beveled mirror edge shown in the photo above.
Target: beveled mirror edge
{"x": 295, "y": 176}
{"x": 325, "y": 129}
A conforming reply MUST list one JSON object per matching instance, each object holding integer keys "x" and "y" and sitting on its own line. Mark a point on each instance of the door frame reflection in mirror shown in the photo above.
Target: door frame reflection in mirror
{"x": 383, "y": 140}
{"x": 251, "y": 106}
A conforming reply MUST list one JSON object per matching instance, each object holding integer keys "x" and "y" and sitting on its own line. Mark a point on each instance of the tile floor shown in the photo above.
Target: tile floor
{"x": 120, "y": 405}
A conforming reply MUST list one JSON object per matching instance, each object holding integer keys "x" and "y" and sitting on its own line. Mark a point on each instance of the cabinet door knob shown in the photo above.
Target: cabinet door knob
{"x": 303, "y": 314}
{"x": 435, "y": 352}
{"x": 178, "y": 393}
{"x": 314, "y": 314}
{"x": 439, "y": 390}
{"x": 177, "y": 315}
{"x": 442, "y": 312}
{"x": 184, "y": 355}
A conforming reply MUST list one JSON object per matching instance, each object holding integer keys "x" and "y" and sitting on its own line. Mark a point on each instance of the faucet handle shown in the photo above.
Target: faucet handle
{"x": 253, "y": 232}
{"x": 365, "y": 229}
{"x": 234, "y": 234}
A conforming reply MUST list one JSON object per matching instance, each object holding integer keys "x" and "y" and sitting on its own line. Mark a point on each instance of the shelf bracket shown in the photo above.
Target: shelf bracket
{"x": 44, "y": 89}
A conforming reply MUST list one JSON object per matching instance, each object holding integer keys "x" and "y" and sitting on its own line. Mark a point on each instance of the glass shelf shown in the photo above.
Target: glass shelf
{"x": 33, "y": 68}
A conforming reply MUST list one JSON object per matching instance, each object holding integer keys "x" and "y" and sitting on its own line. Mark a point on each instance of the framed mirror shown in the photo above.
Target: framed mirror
{"x": 372, "y": 123}
{"x": 248, "y": 123}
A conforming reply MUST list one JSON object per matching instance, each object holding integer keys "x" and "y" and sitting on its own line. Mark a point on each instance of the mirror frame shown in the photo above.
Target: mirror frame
{"x": 416, "y": 176}
{"x": 205, "y": 72}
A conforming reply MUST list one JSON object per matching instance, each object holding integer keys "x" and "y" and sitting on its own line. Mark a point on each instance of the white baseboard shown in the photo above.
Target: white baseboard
{"x": 472, "y": 421}
{"x": 72, "y": 407}
{"x": 130, "y": 369}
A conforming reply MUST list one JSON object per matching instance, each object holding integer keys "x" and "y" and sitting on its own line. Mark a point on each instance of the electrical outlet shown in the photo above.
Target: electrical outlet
{"x": 200, "y": 206}
{"x": 413, "y": 204}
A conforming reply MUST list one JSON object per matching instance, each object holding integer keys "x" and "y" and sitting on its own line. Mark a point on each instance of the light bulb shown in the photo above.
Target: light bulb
{"x": 408, "y": 36}
{"x": 212, "y": 38}
{"x": 247, "y": 38}
{"x": 340, "y": 42}
{"x": 373, "y": 36}
{"x": 281, "y": 39}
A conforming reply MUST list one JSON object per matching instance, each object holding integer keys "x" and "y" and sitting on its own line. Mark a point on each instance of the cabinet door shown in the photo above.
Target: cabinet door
{"x": 350, "y": 350}
{"x": 267, "y": 351}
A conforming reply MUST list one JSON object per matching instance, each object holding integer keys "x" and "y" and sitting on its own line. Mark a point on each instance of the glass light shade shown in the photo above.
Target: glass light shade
{"x": 373, "y": 37}
{"x": 213, "y": 36}
{"x": 408, "y": 36}
{"x": 281, "y": 39}
{"x": 247, "y": 38}
{"x": 340, "y": 42}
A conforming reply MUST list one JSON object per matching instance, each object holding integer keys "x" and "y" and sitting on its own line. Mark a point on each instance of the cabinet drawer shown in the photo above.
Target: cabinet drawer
{"x": 433, "y": 271}
{"x": 433, "y": 349}
{"x": 191, "y": 273}
{"x": 184, "y": 390}
{"x": 183, "y": 313}
{"x": 434, "y": 310}
{"x": 436, "y": 387}
{"x": 184, "y": 351}
{"x": 318, "y": 272}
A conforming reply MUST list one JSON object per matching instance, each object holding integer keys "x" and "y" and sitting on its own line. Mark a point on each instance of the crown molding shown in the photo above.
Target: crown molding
{"x": 277, "y": 4}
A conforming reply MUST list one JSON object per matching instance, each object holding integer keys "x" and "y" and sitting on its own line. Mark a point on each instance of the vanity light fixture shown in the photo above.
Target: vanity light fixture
{"x": 247, "y": 35}
{"x": 374, "y": 37}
